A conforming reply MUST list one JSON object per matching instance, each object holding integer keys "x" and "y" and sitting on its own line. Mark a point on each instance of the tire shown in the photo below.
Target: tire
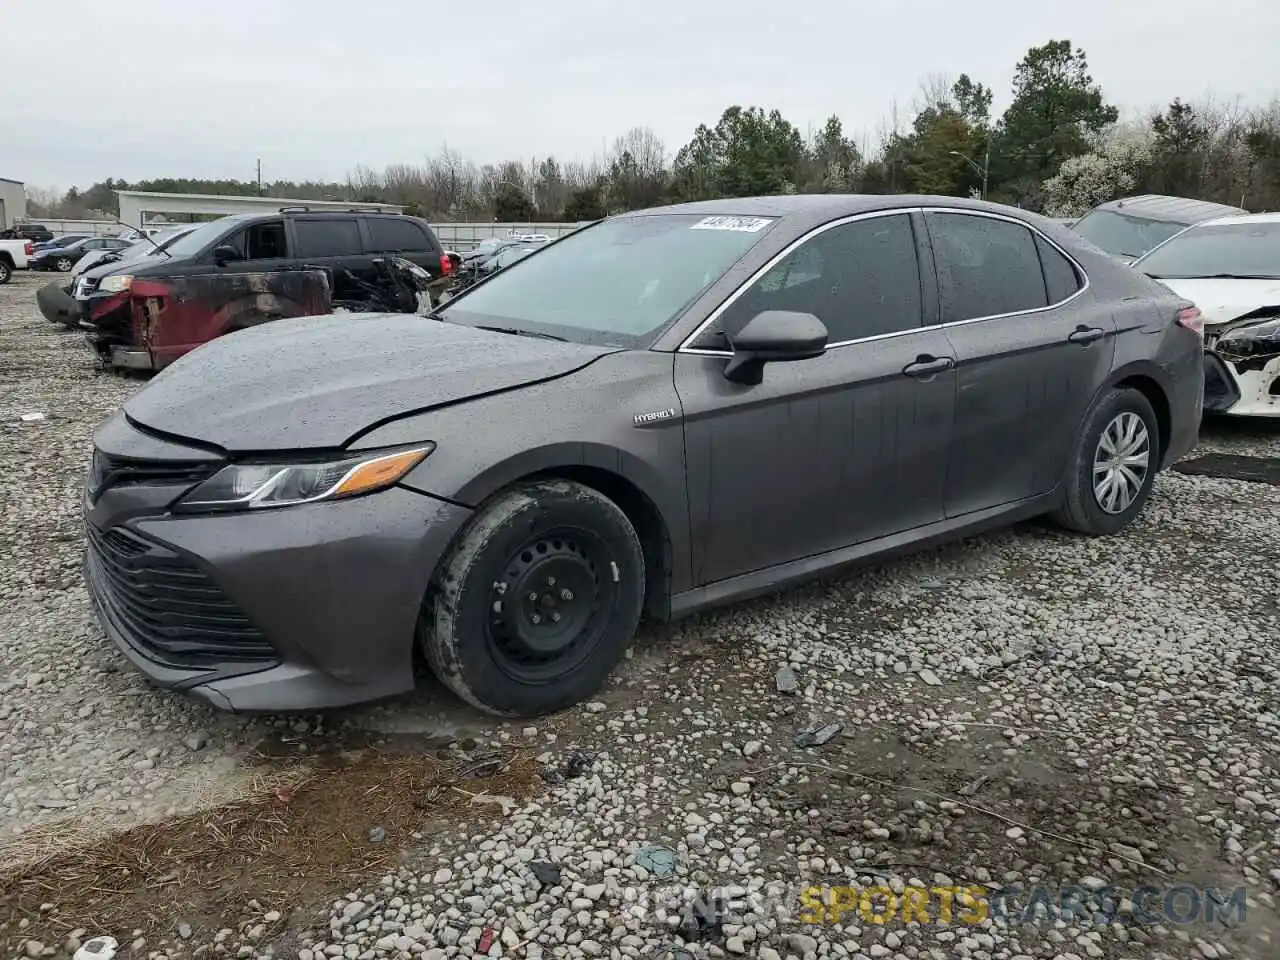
{"x": 577, "y": 554}
{"x": 6, "y": 272}
{"x": 1083, "y": 509}
{"x": 63, "y": 264}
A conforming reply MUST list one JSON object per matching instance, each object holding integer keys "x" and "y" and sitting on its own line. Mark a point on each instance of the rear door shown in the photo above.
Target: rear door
{"x": 1031, "y": 346}
{"x": 829, "y": 452}
{"x": 335, "y": 244}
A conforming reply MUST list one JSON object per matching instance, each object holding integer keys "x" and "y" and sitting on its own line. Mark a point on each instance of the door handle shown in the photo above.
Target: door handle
{"x": 927, "y": 366}
{"x": 1087, "y": 335}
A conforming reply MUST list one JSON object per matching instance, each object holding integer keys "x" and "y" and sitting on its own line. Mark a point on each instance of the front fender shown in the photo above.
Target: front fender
{"x": 588, "y": 419}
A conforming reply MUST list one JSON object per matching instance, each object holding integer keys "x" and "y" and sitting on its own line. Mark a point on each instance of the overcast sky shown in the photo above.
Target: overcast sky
{"x": 148, "y": 88}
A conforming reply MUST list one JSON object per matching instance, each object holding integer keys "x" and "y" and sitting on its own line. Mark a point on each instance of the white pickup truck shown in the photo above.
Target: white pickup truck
{"x": 13, "y": 256}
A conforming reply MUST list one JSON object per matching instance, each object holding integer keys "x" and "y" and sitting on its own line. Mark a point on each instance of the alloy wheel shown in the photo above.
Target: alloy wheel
{"x": 1121, "y": 462}
{"x": 63, "y": 264}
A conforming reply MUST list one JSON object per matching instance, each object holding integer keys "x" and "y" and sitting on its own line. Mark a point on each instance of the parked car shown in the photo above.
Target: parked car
{"x": 14, "y": 255}
{"x": 211, "y": 262}
{"x": 1230, "y": 268}
{"x": 1130, "y": 227}
{"x": 57, "y": 300}
{"x": 34, "y": 232}
{"x": 139, "y": 246}
{"x": 63, "y": 259}
{"x": 471, "y": 270}
{"x": 667, "y": 409}
{"x": 60, "y": 241}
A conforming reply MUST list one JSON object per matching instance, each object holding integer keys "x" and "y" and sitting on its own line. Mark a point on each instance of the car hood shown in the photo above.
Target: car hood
{"x": 317, "y": 382}
{"x": 1221, "y": 301}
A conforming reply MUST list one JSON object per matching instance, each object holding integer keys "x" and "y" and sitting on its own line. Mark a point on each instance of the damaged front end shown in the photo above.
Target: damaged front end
{"x": 146, "y": 324}
{"x": 1242, "y": 365}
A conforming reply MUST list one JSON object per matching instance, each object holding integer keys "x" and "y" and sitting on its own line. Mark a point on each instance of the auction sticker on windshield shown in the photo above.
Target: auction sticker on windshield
{"x": 736, "y": 224}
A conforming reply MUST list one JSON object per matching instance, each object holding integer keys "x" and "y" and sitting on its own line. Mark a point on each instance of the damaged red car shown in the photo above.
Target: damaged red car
{"x": 241, "y": 271}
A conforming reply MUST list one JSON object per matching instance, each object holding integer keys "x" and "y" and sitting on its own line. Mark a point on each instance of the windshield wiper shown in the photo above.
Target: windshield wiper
{"x": 522, "y": 333}
{"x": 1214, "y": 276}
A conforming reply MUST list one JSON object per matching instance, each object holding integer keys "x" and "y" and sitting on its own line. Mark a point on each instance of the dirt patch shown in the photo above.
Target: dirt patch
{"x": 304, "y": 832}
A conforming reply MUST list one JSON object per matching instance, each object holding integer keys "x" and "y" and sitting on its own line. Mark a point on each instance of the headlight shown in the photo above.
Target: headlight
{"x": 254, "y": 486}
{"x": 116, "y": 284}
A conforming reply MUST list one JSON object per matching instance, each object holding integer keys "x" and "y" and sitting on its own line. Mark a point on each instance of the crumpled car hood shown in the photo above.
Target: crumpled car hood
{"x": 1221, "y": 301}
{"x": 316, "y": 382}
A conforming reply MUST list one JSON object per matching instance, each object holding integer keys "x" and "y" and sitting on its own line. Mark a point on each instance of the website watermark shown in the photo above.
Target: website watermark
{"x": 688, "y": 907}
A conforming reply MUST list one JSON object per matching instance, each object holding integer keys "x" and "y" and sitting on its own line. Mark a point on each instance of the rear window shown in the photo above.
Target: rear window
{"x": 390, "y": 235}
{"x": 1122, "y": 235}
{"x": 618, "y": 282}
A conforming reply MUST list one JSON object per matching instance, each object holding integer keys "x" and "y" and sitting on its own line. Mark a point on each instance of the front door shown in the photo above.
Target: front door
{"x": 1031, "y": 352}
{"x": 828, "y": 452}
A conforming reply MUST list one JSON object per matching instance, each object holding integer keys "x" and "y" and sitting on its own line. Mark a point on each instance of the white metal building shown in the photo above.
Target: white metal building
{"x": 138, "y": 207}
{"x": 13, "y": 202}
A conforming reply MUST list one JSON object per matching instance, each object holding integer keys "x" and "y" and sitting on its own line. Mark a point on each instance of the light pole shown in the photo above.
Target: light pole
{"x": 983, "y": 170}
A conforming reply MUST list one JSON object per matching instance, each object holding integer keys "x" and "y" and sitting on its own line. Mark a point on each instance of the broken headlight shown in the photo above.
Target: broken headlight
{"x": 254, "y": 486}
{"x": 1253, "y": 340}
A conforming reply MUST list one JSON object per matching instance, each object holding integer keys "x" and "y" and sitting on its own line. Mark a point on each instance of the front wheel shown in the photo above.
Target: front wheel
{"x": 63, "y": 264}
{"x": 1113, "y": 465}
{"x": 537, "y": 601}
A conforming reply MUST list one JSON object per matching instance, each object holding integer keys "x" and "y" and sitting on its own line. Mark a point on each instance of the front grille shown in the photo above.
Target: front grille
{"x": 166, "y": 606}
{"x": 106, "y": 471}
{"x": 84, "y": 287}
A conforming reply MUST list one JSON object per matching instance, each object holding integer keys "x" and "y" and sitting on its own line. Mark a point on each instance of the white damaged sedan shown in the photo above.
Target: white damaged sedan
{"x": 1230, "y": 269}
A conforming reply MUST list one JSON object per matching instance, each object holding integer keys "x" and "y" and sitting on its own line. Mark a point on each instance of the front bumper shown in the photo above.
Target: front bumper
{"x": 301, "y": 608}
{"x": 57, "y": 305}
{"x": 1242, "y": 387}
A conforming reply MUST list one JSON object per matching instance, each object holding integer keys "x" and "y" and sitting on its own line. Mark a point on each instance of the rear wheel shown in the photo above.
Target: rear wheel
{"x": 537, "y": 601}
{"x": 6, "y": 272}
{"x": 1113, "y": 466}
{"x": 63, "y": 264}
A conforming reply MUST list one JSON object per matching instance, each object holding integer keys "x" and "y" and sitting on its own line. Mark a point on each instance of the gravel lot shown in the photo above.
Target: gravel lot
{"x": 1022, "y": 708}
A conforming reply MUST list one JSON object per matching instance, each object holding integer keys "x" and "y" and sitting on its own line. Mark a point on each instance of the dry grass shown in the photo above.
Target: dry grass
{"x": 299, "y": 839}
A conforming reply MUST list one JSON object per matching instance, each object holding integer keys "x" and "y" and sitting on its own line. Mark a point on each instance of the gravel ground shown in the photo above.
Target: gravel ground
{"x": 1026, "y": 708}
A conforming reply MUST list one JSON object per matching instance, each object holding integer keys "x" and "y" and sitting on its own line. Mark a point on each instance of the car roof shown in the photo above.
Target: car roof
{"x": 1241, "y": 220}
{"x": 803, "y": 210}
{"x": 1154, "y": 206}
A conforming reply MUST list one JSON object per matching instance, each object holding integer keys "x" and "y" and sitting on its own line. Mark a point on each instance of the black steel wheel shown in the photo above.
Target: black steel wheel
{"x": 537, "y": 601}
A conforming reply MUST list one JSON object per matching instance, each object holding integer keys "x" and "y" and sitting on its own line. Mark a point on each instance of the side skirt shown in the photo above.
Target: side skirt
{"x": 772, "y": 579}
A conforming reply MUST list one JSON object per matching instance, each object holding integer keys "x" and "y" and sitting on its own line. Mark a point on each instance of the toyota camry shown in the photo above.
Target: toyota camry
{"x": 665, "y": 410}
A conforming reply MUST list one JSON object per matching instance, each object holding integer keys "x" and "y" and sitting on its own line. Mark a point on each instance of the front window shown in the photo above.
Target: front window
{"x": 1227, "y": 250}
{"x": 1123, "y": 235}
{"x": 619, "y": 282}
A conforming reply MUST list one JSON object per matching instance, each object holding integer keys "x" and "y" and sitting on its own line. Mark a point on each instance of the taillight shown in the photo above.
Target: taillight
{"x": 446, "y": 265}
{"x": 28, "y": 248}
{"x": 1190, "y": 318}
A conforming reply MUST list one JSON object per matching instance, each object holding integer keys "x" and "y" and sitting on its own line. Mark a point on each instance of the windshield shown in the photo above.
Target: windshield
{"x": 618, "y": 282}
{"x": 1227, "y": 249}
{"x": 199, "y": 238}
{"x": 1122, "y": 235}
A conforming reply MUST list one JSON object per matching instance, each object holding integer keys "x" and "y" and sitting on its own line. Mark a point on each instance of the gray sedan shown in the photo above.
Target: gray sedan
{"x": 665, "y": 410}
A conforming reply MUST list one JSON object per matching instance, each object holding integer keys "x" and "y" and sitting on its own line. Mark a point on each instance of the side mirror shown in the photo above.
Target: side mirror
{"x": 225, "y": 254}
{"x": 775, "y": 336}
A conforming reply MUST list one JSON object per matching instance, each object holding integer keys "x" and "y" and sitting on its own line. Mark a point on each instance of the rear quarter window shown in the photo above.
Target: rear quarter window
{"x": 1060, "y": 276}
{"x": 392, "y": 235}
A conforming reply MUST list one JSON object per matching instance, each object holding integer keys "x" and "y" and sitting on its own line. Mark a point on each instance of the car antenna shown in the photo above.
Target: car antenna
{"x": 146, "y": 236}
